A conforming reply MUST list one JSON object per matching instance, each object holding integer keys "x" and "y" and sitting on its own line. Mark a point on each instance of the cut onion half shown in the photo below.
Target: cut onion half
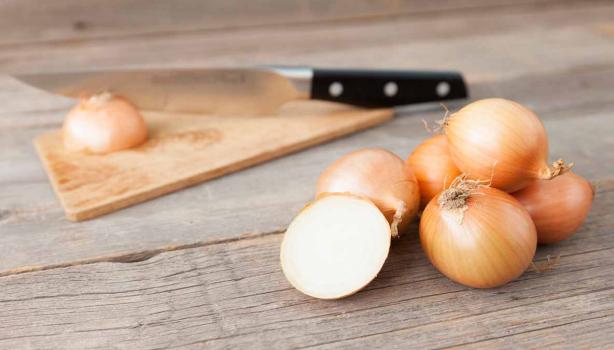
{"x": 335, "y": 246}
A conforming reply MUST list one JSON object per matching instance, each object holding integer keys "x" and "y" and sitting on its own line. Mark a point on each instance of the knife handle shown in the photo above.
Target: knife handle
{"x": 386, "y": 88}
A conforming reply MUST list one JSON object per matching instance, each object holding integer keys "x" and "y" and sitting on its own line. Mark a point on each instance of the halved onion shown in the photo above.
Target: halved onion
{"x": 335, "y": 246}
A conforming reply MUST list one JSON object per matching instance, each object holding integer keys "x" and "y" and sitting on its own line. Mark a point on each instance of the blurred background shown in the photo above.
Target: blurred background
{"x": 492, "y": 42}
{"x": 487, "y": 39}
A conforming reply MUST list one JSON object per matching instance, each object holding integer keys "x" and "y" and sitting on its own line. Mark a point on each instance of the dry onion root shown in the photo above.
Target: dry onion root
{"x": 103, "y": 124}
{"x": 382, "y": 177}
{"x": 558, "y": 207}
{"x": 501, "y": 137}
{"x": 477, "y": 235}
{"x": 433, "y": 167}
{"x": 335, "y": 246}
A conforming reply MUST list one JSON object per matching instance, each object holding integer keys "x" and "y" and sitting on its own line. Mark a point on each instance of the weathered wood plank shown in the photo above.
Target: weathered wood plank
{"x": 34, "y": 21}
{"x": 264, "y": 198}
{"x": 234, "y": 295}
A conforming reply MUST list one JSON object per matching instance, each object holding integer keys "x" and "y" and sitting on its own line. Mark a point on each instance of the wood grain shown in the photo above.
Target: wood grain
{"x": 183, "y": 150}
{"x": 233, "y": 295}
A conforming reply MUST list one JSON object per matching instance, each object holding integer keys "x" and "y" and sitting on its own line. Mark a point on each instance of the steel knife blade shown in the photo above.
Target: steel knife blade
{"x": 257, "y": 90}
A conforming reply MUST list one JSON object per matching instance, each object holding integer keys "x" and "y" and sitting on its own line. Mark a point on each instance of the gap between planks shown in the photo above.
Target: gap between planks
{"x": 136, "y": 256}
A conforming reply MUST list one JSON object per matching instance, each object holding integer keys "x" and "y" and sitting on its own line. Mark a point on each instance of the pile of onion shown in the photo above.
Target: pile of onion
{"x": 474, "y": 232}
{"x": 487, "y": 191}
{"x": 103, "y": 124}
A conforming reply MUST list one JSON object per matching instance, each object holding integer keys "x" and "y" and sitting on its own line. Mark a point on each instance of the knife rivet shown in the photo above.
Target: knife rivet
{"x": 335, "y": 89}
{"x": 443, "y": 89}
{"x": 391, "y": 88}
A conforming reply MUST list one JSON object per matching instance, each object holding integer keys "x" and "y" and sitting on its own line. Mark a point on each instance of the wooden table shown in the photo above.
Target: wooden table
{"x": 199, "y": 268}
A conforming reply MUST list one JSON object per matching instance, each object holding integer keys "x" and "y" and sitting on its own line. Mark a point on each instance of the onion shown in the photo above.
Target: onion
{"x": 335, "y": 246}
{"x": 102, "y": 124}
{"x": 382, "y": 177}
{"x": 476, "y": 235}
{"x": 558, "y": 207}
{"x": 500, "y": 139}
{"x": 433, "y": 167}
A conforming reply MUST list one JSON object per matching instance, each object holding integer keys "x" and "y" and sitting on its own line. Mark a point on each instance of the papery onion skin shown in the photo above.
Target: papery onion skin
{"x": 501, "y": 139}
{"x": 380, "y": 176}
{"x": 103, "y": 124}
{"x": 493, "y": 244}
{"x": 558, "y": 207}
{"x": 433, "y": 167}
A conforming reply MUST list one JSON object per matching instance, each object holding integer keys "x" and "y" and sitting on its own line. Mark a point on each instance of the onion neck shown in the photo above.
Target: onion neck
{"x": 101, "y": 99}
{"x": 397, "y": 219}
{"x": 455, "y": 198}
{"x": 559, "y": 167}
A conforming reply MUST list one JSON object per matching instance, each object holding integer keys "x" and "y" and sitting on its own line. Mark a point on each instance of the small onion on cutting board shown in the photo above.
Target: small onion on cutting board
{"x": 103, "y": 124}
{"x": 335, "y": 246}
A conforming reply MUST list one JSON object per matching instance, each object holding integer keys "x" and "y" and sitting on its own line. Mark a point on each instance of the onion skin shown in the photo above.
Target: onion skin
{"x": 499, "y": 139}
{"x": 103, "y": 124}
{"x": 558, "y": 207}
{"x": 380, "y": 176}
{"x": 433, "y": 166}
{"x": 493, "y": 244}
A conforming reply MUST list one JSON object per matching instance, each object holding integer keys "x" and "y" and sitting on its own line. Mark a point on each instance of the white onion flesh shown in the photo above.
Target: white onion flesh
{"x": 335, "y": 246}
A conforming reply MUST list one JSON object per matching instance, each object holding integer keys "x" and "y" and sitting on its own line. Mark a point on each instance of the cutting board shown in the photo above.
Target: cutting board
{"x": 185, "y": 149}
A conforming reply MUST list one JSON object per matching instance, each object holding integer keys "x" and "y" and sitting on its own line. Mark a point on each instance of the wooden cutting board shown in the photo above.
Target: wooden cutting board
{"x": 183, "y": 150}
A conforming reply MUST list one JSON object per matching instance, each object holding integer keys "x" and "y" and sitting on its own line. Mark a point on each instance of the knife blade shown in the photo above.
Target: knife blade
{"x": 257, "y": 90}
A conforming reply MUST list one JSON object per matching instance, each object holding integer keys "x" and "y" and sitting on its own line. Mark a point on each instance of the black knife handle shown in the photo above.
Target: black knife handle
{"x": 386, "y": 88}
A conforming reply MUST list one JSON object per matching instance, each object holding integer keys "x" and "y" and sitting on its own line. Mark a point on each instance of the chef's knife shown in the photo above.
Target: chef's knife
{"x": 254, "y": 90}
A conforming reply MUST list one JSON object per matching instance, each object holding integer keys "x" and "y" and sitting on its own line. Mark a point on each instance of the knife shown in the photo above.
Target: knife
{"x": 258, "y": 90}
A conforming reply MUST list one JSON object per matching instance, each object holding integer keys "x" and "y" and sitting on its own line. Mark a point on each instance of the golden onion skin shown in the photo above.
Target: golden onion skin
{"x": 379, "y": 175}
{"x": 493, "y": 244}
{"x": 433, "y": 167}
{"x": 558, "y": 207}
{"x": 499, "y": 139}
